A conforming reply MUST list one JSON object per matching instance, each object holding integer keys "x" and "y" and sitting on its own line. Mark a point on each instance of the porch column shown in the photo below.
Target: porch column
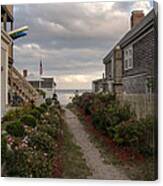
{"x": 118, "y": 87}
{"x": 5, "y": 22}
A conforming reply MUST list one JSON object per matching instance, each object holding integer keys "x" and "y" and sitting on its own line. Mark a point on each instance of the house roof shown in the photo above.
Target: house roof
{"x": 42, "y": 79}
{"x": 34, "y": 80}
{"x": 98, "y": 80}
{"x": 146, "y": 23}
{"x": 9, "y": 10}
{"x": 139, "y": 28}
{"x": 36, "y": 77}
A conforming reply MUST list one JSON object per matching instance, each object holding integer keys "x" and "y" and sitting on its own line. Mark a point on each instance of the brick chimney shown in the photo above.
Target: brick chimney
{"x": 25, "y": 73}
{"x": 136, "y": 17}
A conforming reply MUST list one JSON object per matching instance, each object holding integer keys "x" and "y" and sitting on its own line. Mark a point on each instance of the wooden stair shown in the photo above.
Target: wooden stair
{"x": 22, "y": 87}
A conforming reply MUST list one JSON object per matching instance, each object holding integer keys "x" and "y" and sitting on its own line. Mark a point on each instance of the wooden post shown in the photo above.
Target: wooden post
{"x": 11, "y": 26}
{"x": 118, "y": 88}
{"x": 5, "y": 22}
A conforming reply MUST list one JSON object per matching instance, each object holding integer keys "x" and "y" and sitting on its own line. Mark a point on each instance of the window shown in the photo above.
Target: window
{"x": 128, "y": 58}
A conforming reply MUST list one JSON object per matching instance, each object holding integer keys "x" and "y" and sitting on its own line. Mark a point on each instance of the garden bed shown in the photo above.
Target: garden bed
{"x": 36, "y": 143}
{"x": 31, "y": 142}
{"x": 115, "y": 130}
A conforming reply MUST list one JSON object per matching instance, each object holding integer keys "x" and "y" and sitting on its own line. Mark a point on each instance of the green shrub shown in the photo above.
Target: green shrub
{"x": 41, "y": 166}
{"x": 12, "y": 115}
{"x": 35, "y": 113}
{"x": 126, "y": 134}
{"x": 51, "y": 130}
{"x": 125, "y": 113}
{"x": 44, "y": 105}
{"x": 42, "y": 93}
{"x": 3, "y": 149}
{"x": 119, "y": 122}
{"x": 42, "y": 141}
{"x": 101, "y": 120}
{"x": 147, "y": 135}
{"x": 106, "y": 98}
{"x": 32, "y": 155}
{"x": 16, "y": 113}
{"x": 107, "y": 118}
{"x": 41, "y": 109}
{"x": 15, "y": 129}
{"x": 48, "y": 101}
{"x": 16, "y": 164}
{"x": 136, "y": 134}
{"x": 28, "y": 163}
{"x": 28, "y": 120}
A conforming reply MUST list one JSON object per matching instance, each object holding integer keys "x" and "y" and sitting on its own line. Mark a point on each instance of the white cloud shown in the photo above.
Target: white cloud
{"x": 31, "y": 46}
{"x": 94, "y": 9}
{"x": 51, "y": 26}
{"x": 77, "y": 81}
{"x": 142, "y": 5}
{"x": 77, "y": 78}
{"x": 71, "y": 38}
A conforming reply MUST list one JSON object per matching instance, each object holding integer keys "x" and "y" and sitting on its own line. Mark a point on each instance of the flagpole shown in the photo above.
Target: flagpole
{"x": 39, "y": 81}
{"x": 40, "y": 72}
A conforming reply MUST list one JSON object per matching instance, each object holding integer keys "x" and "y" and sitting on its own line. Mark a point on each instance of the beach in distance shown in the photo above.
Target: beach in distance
{"x": 65, "y": 95}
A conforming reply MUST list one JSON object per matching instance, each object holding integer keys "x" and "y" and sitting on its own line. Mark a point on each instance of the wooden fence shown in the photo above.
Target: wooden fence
{"x": 142, "y": 104}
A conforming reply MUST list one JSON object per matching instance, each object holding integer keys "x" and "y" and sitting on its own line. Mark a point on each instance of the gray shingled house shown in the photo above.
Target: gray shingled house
{"x": 131, "y": 66}
{"x": 100, "y": 85}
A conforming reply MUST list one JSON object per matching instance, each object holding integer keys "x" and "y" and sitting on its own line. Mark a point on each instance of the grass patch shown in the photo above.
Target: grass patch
{"x": 74, "y": 165}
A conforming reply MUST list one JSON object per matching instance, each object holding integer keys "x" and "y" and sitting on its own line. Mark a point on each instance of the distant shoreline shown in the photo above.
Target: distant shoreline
{"x": 73, "y": 90}
{"x": 65, "y": 95}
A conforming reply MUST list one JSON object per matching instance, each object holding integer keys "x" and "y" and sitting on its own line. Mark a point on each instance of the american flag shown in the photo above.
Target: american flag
{"x": 41, "y": 69}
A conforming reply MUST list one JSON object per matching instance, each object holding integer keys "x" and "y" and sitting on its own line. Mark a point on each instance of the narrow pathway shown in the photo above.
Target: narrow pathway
{"x": 91, "y": 153}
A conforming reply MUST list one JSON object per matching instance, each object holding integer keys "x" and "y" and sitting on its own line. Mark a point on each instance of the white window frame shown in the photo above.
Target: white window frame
{"x": 128, "y": 58}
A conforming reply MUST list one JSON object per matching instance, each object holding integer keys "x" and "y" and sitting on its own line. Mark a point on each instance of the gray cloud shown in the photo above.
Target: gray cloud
{"x": 72, "y": 38}
{"x": 125, "y": 6}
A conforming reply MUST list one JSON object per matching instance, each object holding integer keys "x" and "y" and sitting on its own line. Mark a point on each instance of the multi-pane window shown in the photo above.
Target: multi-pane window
{"x": 128, "y": 58}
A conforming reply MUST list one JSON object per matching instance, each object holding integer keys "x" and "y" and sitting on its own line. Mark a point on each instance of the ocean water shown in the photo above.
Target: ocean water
{"x": 65, "y": 95}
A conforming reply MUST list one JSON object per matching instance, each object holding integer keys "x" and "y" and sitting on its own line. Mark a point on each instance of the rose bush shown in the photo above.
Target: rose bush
{"x": 117, "y": 121}
{"x": 15, "y": 129}
{"x": 29, "y": 142}
{"x": 29, "y": 120}
{"x": 35, "y": 113}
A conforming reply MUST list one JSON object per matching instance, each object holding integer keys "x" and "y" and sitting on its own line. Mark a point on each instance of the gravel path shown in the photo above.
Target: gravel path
{"x": 91, "y": 153}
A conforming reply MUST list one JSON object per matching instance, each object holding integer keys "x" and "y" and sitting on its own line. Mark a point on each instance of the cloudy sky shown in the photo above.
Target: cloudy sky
{"x": 71, "y": 38}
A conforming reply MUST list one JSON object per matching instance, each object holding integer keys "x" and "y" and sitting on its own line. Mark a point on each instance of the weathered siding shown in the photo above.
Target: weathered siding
{"x": 97, "y": 85}
{"x": 108, "y": 70}
{"x": 134, "y": 80}
{"x": 35, "y": 84}
{"x": 135, "y": 84}
{"x": 143, "y": 56}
